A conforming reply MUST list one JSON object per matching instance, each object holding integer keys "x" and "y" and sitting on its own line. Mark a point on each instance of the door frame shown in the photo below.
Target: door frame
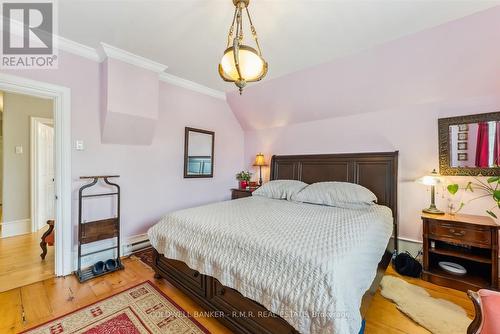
{"x": 61, "y": 97}
{"x": 34, "y": 166}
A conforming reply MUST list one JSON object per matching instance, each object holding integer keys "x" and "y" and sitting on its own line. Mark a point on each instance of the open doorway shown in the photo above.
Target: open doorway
{"x": 28, "y": 195}
{"x": 61, "y": 98}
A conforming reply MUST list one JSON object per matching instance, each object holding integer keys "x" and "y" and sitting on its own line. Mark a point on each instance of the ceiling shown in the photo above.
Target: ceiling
{"x": 190, "y": 35}
{"x": 430, "y": 71}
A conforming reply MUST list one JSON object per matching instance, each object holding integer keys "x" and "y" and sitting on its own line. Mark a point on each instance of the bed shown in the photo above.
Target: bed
{"x": 274, "y": 266}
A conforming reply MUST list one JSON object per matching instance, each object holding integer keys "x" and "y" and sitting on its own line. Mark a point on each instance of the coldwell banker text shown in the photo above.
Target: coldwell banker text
{"x": 28, "y": 35}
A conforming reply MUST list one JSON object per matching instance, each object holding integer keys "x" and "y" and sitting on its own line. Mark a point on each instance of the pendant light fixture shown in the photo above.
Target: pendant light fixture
{"x": 241, "y": 63}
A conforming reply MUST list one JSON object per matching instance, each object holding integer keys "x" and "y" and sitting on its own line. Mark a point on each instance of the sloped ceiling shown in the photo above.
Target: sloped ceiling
{"x": 189, "y": 35}
{"x": 457, "y": 59}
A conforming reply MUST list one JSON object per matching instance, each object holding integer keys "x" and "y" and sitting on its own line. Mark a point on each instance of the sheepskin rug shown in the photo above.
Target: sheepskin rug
{"x": 439, "y": 316}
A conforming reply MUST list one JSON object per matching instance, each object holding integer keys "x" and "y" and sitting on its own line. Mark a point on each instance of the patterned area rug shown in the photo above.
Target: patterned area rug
{"x": 145, "y": 255}
{"x": 138, "y": 310}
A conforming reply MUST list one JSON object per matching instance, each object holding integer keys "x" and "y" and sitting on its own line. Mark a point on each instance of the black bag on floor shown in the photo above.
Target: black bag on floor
{"x": 406, "y": 264}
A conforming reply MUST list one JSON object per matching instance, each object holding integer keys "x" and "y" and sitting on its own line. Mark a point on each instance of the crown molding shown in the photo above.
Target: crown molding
{"x": 107, "y": 50}
{"x": 177, "y": 81}
{"x": 78, "y": 49}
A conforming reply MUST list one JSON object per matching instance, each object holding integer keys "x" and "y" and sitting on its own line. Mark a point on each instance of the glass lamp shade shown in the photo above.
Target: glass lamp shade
{"x": 432, "y": 179}
{"x": 259, "y": 160}
{"x": 252, "y": 66}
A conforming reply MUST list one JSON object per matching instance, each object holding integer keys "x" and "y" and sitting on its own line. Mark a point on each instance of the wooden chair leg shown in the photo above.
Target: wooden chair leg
{"x": 476, "y": 323}
{"x": 43, "y": 243}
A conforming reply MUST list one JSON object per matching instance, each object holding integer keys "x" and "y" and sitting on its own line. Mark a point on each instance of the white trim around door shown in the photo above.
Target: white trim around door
{"x": 61, "y": 97}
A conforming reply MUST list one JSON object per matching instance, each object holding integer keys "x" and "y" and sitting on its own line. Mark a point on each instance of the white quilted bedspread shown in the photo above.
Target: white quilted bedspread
{"x": 310, "y": 264}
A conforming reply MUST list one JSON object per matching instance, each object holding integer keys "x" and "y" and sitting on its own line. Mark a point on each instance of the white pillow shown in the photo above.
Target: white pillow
{"x": 280, "y": 189}
{"x": 340, "y": 194}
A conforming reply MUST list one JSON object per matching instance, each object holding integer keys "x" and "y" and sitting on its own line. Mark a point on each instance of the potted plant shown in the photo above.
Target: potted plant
{"x": 490, "y": 188}
{"x": 244, "y": 177}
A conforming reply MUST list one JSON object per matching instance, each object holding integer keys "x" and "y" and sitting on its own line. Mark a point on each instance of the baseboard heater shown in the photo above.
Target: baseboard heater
{"x": 137, "y": 246}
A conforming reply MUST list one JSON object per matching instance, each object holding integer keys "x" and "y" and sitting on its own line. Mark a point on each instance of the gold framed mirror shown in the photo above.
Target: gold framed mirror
{"x": 470, "y": 145}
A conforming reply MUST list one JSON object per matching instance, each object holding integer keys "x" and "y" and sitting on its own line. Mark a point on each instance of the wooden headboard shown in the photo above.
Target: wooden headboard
{"x": 375, "y": 171}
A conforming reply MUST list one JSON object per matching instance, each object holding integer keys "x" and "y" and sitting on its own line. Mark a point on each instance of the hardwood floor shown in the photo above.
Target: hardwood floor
{"x": 39, "y": 302}
{"x": 383, "y": 317}
{"x": 24, "y": 307}
{"x": 20, "y": 262}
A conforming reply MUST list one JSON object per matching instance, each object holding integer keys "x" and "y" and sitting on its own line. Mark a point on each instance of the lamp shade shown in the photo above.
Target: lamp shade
{"x": 260, "y": 160}
{"x": 252, "y": 66}
{"x": 431, "y": 179}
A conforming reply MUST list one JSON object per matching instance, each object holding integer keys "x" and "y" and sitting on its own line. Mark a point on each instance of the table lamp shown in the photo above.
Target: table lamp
{"x": 260, "y": 161}
{"x": 432, "y": 180}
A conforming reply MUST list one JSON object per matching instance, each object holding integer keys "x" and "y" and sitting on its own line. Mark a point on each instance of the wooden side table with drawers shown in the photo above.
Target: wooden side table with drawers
{"x": 468, "y": 240}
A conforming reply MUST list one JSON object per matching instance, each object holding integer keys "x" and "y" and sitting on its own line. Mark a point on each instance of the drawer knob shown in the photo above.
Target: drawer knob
{"x": 457, "y": 233}
{"x": 222, "y": 292}
{"x": 196, "y": 274}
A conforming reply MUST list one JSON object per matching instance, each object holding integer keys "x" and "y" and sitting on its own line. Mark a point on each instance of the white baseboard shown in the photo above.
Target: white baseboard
{"x": 16, "y": 227}
{"x": 409, "y": 245}
{"x": 128, "y": 246}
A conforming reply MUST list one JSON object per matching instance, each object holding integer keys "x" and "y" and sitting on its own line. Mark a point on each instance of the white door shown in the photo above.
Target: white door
{"x": 45, "y": 157}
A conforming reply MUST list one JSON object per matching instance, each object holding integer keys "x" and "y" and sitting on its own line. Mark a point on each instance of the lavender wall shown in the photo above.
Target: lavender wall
{"x": 129, "y": 103}
{"x": 131, "y": 89}
{"x": 455, "y": 60}
{"x": 412, "y": 131}
{"x": 384, "y": 99}
{"x": 151, "y": 175}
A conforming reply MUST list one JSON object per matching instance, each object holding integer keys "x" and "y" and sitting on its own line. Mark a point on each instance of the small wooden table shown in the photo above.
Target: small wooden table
{"x": 240, "y": 193}
{"x": 471, "y": 241}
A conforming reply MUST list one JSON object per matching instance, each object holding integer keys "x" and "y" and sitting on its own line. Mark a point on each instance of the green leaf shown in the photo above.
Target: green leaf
{"x": 452, "y": 188}
{"x": 491, "y": 213}
{"x": 460, "y": 207}
{"x": 493, "y": 179}
{"x": 469, "y": 187}
{"x": 496, "y": 195}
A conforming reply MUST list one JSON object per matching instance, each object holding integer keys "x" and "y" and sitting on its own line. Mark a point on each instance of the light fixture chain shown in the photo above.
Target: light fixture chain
{"x": 236, "y": 42}
{"x": 231, "y": 30}
{"x": 254, "y": 32}
{"x": 239, "y": 25}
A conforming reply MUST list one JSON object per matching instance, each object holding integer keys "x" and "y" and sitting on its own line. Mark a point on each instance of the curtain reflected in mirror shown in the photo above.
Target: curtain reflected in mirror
{"x": 198, "y": 153}
{"x": 475, "y": 144}
{"x": 470, "y": 145}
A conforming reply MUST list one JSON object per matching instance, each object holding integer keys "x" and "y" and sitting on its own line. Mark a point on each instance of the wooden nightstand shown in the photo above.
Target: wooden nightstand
{"x": 240, "y": 193}
{"x": 471, "y": 241}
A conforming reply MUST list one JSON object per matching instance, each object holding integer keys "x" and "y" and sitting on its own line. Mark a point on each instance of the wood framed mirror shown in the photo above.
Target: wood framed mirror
{"x": 470, "y": 145}
{"x": 198, "y": 153}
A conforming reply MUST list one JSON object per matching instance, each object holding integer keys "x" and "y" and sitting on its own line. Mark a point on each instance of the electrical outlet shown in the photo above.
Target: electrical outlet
{"x": 19, "y": 150}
